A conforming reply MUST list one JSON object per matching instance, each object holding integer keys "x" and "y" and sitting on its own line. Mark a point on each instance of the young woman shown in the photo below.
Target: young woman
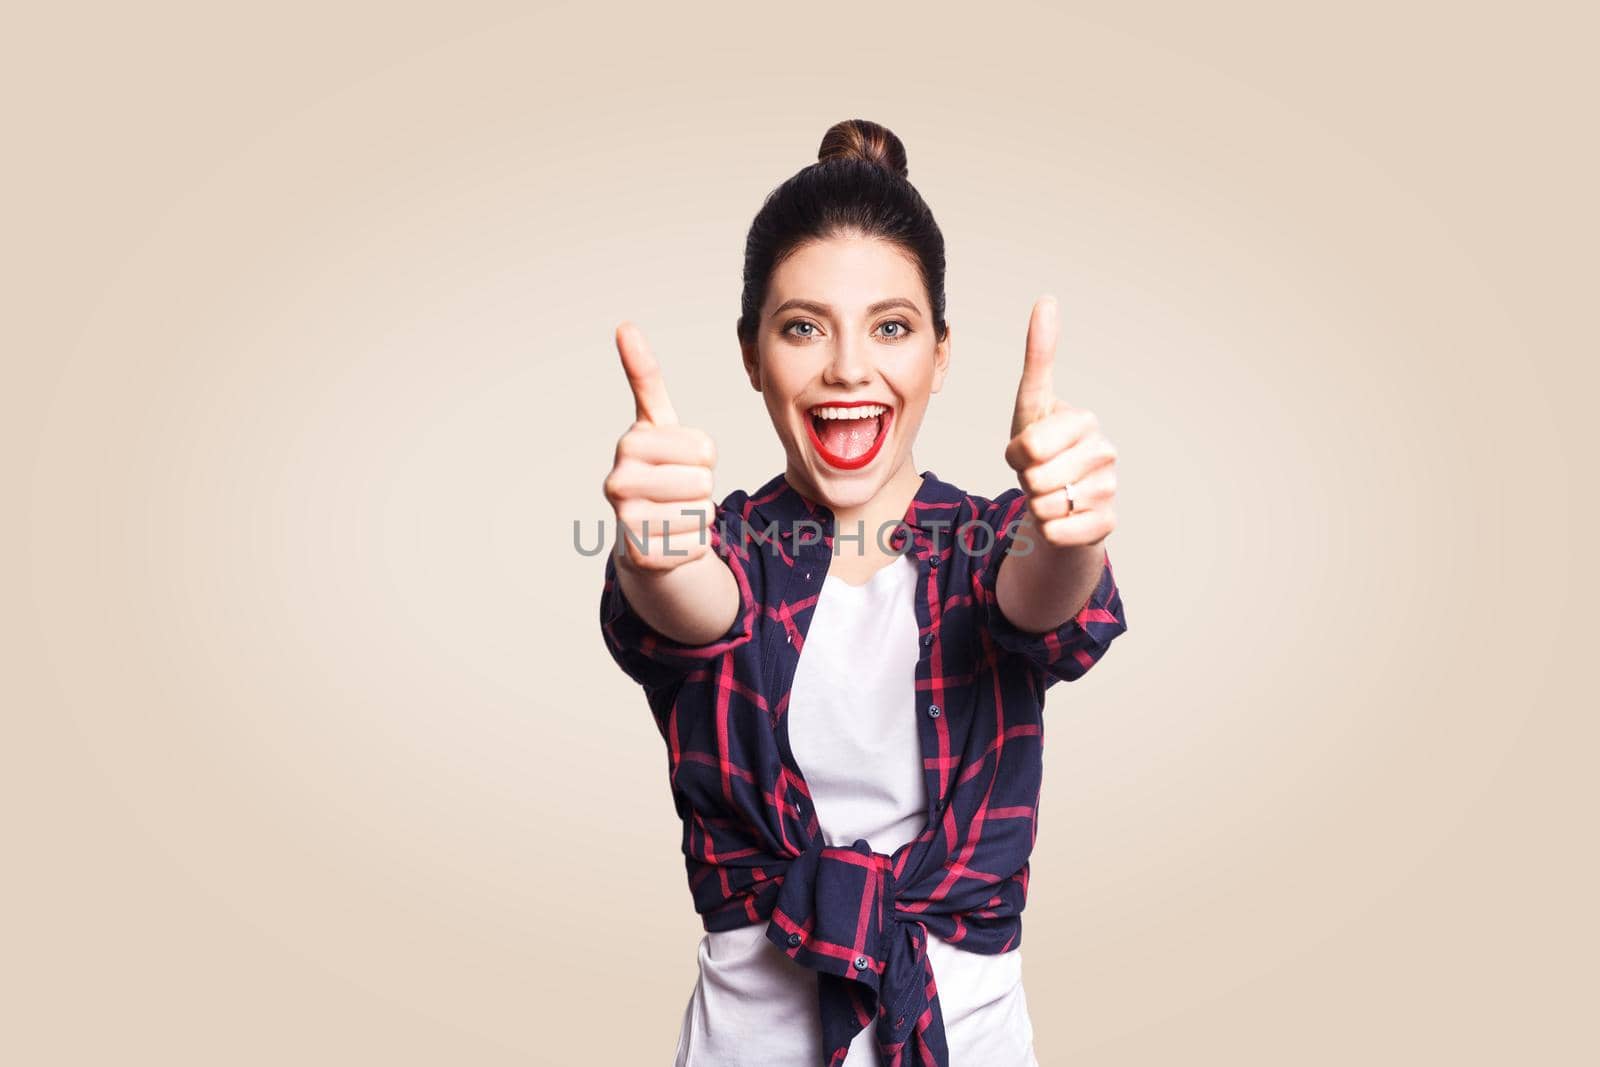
{"x": 857, "y": 819}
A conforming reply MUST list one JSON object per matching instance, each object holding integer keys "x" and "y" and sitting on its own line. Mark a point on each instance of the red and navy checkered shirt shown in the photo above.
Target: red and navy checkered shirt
{"x": 751, "y": 841}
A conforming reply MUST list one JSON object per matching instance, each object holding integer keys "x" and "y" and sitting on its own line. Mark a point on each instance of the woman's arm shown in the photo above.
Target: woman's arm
{"x": 692, "y": 604}
{"x": 660, "y": 487}
{"x": 1067, "y": 469}
{"x": 1041, "y": 588}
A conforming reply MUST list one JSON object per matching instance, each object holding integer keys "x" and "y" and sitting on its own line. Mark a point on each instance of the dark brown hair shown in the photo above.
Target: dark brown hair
{"x": 858, "y": 184}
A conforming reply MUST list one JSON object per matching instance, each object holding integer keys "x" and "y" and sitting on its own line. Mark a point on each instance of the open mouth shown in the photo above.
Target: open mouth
{"x": 847, "y": 436}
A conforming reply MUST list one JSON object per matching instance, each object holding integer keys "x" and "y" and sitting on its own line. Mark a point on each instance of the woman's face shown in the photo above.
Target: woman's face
{"x": 846, "y": 322}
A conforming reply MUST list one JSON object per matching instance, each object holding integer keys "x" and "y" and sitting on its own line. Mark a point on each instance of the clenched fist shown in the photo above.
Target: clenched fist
{"x": 1065, "y": 465}
{"x": 660, "y": 485}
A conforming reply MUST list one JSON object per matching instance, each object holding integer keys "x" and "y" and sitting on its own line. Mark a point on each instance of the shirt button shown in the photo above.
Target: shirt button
{"x": 933, "y": 561}
{"x": 861, "y": 963}
{"x": 927, "y": 639}
{"x": 808, "y": 576}
{"x": 933, "y": 711}
{"x": 794, "y": 939}
{"x": 788, "y": 638}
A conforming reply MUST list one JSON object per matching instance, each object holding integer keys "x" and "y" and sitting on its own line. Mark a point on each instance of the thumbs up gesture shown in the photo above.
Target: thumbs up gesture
{"x": 1064, "y": 464}
{"x": 660, "y": 482}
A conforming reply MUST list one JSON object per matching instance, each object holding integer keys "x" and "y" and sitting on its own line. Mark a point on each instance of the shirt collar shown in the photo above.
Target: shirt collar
{"x": 933, "y": 508}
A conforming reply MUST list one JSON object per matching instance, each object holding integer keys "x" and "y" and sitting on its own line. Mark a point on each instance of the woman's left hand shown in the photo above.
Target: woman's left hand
{"x": 1054, "y": 445}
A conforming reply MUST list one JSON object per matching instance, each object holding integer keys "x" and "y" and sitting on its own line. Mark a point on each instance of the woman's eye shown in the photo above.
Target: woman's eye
{"x": 900, "y": 329}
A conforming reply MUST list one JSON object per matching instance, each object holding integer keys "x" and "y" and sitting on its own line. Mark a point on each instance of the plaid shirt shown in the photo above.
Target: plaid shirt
{"x": 751, "y": 841}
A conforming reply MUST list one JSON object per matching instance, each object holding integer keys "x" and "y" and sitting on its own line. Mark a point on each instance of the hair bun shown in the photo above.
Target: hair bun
{"x": 864, "y": 139}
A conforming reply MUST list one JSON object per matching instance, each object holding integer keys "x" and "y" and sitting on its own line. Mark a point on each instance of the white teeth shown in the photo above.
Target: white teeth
{"x": 864, "y": 411}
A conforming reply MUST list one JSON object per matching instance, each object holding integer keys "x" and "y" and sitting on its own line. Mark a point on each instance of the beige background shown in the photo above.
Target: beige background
{"x": 314, "y": 754}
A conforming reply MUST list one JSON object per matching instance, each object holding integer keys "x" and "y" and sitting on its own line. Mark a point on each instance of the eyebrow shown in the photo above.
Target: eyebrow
{"x": 825, "y": 311}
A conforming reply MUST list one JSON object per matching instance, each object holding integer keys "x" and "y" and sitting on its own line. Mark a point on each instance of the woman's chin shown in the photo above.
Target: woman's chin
{"x": 844, "y": 489}
{"x": 852, "y": 495}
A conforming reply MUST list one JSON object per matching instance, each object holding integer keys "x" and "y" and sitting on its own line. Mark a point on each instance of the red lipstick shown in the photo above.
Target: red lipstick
{"x": 853, "y": 463}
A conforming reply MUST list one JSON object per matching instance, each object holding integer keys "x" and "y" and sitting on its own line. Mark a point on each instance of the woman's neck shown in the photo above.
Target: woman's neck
{"x": 887, "y": 505}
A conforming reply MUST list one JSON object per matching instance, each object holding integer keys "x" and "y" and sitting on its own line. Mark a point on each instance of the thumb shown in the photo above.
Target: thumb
{"x": 644, "y": 377}
{"x": 1036, "y": 390}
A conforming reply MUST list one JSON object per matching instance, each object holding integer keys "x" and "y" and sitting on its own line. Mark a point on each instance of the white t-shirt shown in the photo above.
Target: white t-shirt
{"x": 853, "y": 731}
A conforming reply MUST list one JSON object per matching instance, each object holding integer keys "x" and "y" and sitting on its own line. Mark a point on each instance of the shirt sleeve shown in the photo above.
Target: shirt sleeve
{"x": 649, "y": 657}
{"x": 1067, "y": 652}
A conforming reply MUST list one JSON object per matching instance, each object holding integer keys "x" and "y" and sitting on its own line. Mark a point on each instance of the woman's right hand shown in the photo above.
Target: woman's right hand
{"x": 660, "y": 484}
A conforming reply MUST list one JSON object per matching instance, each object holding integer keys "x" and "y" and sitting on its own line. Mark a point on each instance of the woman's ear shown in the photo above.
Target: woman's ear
{"x": 752, "y": 363}
{"x": 941, "y": 359}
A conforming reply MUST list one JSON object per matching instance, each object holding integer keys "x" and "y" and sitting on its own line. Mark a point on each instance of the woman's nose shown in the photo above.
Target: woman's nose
{"x": 851, "y": 364}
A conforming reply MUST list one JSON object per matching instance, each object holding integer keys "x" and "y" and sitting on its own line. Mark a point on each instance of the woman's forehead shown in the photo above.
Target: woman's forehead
{"x": 846, "y": 275}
